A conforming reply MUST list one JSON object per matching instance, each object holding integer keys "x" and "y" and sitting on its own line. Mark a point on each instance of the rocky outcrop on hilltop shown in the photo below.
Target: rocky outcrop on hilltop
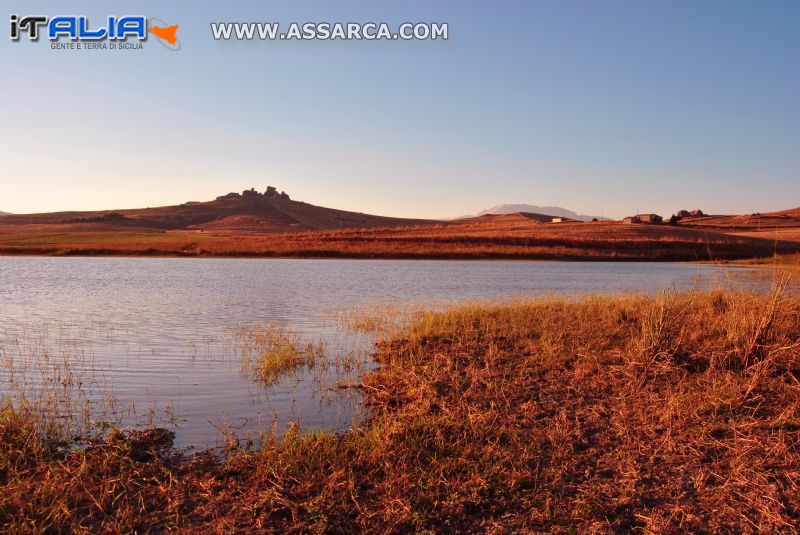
{"x": 690, "y": 213}
{"x": 270, "y": 193}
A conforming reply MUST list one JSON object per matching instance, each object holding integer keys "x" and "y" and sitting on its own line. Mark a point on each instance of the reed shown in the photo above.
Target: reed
{"x": 271, "y": 353}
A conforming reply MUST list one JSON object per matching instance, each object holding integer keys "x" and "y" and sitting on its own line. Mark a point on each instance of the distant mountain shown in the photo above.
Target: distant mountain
{"x": 554, "y": 211}
{"x": 5, "y": 213}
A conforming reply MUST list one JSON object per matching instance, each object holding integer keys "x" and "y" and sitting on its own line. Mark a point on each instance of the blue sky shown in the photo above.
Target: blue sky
{"x": 603, "y": 107}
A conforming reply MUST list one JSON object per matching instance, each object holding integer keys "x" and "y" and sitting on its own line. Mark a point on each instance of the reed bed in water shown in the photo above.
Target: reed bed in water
{"x": 271, "y": 353}
{"x": 668, "y": 413}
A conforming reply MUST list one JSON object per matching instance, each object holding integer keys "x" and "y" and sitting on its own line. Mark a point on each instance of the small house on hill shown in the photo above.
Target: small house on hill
{"x": 561, "y": 220}
{"x": 651, "y": 219}
{"x": 644, "y": 219}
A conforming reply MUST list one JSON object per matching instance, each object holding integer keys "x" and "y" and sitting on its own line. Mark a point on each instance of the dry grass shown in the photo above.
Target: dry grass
{"x": 271, "y": 353}
{"x": 784, "y": 265}
{"x": 669, "y": 413}
{"x": 790, "y": 260}
{"x": 506, "y": 239}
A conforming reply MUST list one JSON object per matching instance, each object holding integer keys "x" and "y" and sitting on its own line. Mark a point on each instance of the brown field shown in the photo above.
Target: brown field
{"x": 757, "y": 222}
{"x": 506, "y": 238}
{"x": 669, "y": 414}
{"x": 259, "y": 226}
{"x": 785, "y": 234}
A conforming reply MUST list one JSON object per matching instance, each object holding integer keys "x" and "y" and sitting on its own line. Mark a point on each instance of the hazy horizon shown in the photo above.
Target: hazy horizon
{"x": 486, "y": 209}
{"x": 651, "y": 107}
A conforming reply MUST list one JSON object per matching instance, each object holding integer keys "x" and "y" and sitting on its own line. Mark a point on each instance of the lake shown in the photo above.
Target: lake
{"x": 154, "y": 340}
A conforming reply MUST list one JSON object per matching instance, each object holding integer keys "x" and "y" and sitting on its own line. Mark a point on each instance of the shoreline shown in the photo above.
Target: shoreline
{"x": 736, "y": 262}
{"x": 540, "y": 415}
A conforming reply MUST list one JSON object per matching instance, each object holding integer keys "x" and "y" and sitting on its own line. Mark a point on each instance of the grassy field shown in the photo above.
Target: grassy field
{"x": 256, "y": 225}
{"x": 669, "y": 413}
{"x": 502, "y": 238}
{"x": 779, "y": 261}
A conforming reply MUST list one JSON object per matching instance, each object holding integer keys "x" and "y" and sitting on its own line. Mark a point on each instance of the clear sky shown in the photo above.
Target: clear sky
{"x": 598, "y": 106}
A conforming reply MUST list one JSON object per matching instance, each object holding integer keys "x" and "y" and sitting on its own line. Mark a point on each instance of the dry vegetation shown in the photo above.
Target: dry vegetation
{"x": 775, "y": 261}
{"x": 673, "y": 413}
{"x": 272, "y": 353}
{"x": 264, "y": 226}
{"x": 505, "y": 237}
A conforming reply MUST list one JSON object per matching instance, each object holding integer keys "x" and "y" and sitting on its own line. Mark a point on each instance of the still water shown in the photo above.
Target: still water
{"x": 152, "y": 341}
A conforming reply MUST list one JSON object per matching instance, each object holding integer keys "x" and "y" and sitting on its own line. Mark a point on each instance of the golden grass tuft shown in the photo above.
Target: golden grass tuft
{"x": 271, "y": 353}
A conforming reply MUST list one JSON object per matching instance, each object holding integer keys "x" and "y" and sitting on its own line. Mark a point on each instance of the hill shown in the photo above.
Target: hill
{"x": 246, "y": 212}
{"x": 554, "y": 211}
{"x": 503, "y": 218}
{"x": 270, "y": 224}
{"x": 776, "y": 226}
{"x": 794, "y": 212}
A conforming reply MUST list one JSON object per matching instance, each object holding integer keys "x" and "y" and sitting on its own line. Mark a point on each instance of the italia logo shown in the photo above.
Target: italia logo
{"x": 134, "y": 28}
